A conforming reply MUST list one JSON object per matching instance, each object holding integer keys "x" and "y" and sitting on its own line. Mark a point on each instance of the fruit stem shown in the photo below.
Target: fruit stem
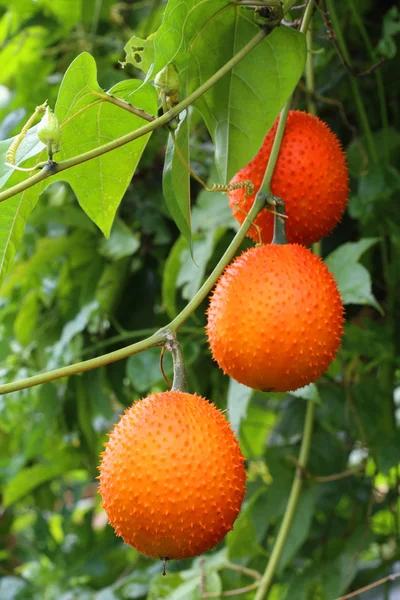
{"x": 279, "y": 223}
{"x": 179, "y": 382}
{"x": 290, "y": 511}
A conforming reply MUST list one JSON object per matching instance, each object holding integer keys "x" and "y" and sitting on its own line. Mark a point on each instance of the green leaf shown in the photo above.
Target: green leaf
{"x": 85, "y": 413}
{"x": 308, "y": 392}
{"x": 68, "y": 12}
{"x": 11, "y": 588}
{"x": 182, "y": 21}
{"x": 241, "y": 107}
{"x": 238, "y": 400}
{"x": 140, "y": 53}
{"x": 375, "y": 192}
{"x": 59, "y": 356}
{"x": 300, "y": 526}
{"x": 176, "y": 180}
{"x": 144, "y": 371}
{"x": 30, "y": 478}
{"x": 13, "y": 216}
{"x": 391, "y": 27}
{"x": 255, "y": 428}
{"x": 170, "y": 275}
{"x": 243, "y": 541}
{"x": 122, "y": 242}
{"x": 353, "y": 279}
{"x": 26, "y": 319}
{"x": 388, "y": 142}
{"x": 212, "y": 210}
{"x": 30, "y": 146}
{"x": 192, "y": 272}
{"x": 100, "y": 183}
{"x": 111, "y": 283}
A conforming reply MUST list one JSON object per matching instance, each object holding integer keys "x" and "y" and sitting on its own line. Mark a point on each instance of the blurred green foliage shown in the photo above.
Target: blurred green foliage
{"x": 72, "y": 294}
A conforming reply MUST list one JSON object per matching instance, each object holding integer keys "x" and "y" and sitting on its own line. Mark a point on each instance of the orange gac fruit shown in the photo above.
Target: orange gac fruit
{"x": 172, "y": 476}
{"x": 310, "y": 176}
{"x": 275, "y": 318}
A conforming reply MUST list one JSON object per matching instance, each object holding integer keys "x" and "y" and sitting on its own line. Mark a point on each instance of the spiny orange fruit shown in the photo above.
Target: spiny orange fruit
{"x": 310, "y": 176}
{"x": 172, "y": 477}
{"x": 275, "y": 318}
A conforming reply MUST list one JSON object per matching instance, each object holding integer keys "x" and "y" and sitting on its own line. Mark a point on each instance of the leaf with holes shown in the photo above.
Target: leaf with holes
{"x": 182, "y": 21}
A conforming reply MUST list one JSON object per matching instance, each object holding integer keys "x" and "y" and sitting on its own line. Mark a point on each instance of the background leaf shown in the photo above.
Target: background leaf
{"x": 353, "y": 279}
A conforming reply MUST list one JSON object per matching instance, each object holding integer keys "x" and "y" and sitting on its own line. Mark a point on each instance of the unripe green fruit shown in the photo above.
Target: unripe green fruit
{"x": 48, "y": 129}
{"x": 167, "y": 80}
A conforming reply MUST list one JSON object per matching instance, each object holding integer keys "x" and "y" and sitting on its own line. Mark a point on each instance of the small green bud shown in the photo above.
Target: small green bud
{"x": 167, "y": 80}
{"x": 49, "y": 131}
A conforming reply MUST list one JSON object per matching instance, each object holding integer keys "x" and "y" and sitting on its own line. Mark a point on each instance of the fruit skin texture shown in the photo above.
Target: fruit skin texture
{"x": 172, "y": 476}
{"x": 311, "y": 177}
{"x": 275, "y": 318}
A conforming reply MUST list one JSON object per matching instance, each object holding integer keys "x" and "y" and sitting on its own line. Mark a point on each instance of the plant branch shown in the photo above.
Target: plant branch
{"x": 243, "y": 590}
{"x": 243, "y": 570}
{"x": 370, "y": 586}
{"x": 157, "y": 339}
{"x": 326, "y": 478}
{"x": 134, "y": 135}
{"x": 232, "y": 593}
{"x": 336, "y": 28}
{"x": 378, "y": 74}
{"x": 125, "y": 105}
{"x": 343, "y": 55}
{"x": 284, "y": 530}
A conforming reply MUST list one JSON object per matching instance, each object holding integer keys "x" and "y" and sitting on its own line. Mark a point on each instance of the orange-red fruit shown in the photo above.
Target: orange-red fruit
{"x": 172, "y": 476}
{"x": 310, "y": 176}
{"x": 275, "y": 318}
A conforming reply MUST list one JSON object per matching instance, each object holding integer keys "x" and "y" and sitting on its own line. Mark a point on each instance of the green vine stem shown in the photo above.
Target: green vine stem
{"x": 310, "y": 83}
{"x": 49, "y": 170}
{"x": 310, "y": 91}
{"x": 362, "y": 115}
{"x": 284, "y": 530}
{"x": 280, "y": 130}
{"x": 159, "y": 337}
{"x": 377, "y": 72}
